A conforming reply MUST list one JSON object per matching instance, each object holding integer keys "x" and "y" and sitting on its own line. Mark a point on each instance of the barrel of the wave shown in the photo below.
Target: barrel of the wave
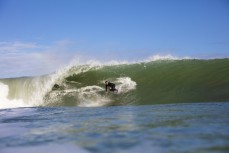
{"x": 175, "y": 80}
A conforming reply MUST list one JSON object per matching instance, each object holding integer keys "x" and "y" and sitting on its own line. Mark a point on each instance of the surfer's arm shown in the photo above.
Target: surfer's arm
{"x": 106, "y": 88}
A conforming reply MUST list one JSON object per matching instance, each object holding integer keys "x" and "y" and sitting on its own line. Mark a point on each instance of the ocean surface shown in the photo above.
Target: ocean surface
{"x": 161, "y": 128}
{"x": 163, "y": 106}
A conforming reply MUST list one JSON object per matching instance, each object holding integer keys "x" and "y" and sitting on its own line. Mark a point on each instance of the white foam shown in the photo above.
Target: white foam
{"x": 7, "y": 103}
{"x": 89, "y": 97}
{"x": 125, "y": 84}
{"x": 164, "y": 57}
{"x": 152, "y": 58}
{"x": 4, "y": 89}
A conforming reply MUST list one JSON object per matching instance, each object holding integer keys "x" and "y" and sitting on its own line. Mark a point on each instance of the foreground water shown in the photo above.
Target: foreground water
{"x": 193, "y": 127}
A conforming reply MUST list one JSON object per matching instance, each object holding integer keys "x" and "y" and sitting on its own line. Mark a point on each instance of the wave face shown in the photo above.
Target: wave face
{"x": 151, "y": 82}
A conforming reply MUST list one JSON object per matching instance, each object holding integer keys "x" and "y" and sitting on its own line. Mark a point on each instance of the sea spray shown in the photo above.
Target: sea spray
{"x": 125, "y": 84}
{"x": 5, "y": 102}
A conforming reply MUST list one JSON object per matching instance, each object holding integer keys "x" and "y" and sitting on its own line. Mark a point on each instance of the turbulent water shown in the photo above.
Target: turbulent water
{"x": 147, "y": 82}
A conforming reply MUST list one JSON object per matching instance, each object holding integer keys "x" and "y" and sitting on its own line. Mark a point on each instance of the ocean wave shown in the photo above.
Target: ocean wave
{"x": 158, "y": 79}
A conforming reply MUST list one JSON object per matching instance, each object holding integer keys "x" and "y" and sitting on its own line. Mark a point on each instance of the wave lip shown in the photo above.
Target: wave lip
{"x": 165, "y": 57}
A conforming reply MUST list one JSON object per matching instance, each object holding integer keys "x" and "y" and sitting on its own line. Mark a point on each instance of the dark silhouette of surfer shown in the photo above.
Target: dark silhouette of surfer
{"x": 111, "y": 86}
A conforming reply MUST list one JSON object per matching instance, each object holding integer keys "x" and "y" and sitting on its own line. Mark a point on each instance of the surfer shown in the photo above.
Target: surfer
{"x": 111, "y": 86}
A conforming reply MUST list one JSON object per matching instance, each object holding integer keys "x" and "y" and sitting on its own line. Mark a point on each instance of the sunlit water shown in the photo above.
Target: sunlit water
{"x": 194, "y": 127}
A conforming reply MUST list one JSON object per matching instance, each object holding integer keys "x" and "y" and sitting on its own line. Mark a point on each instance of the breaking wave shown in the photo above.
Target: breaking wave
{"x": 156, "y": 80}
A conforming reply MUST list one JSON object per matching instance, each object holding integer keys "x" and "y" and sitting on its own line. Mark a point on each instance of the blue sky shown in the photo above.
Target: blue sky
{"x": 40, "y": 35}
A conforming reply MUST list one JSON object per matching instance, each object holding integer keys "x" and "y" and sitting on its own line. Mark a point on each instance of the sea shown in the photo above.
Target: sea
{"x": 162, "y": 106}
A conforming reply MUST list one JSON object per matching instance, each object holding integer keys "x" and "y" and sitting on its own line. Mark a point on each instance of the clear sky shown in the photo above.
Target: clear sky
{"x": 37, "y": 36}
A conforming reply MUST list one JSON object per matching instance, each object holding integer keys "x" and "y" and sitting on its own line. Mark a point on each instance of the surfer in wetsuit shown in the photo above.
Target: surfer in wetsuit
{"x": 111, "y": 86}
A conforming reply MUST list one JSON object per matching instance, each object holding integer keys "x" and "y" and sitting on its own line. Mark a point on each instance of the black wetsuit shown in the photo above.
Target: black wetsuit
{"x": 112, "y": 86}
